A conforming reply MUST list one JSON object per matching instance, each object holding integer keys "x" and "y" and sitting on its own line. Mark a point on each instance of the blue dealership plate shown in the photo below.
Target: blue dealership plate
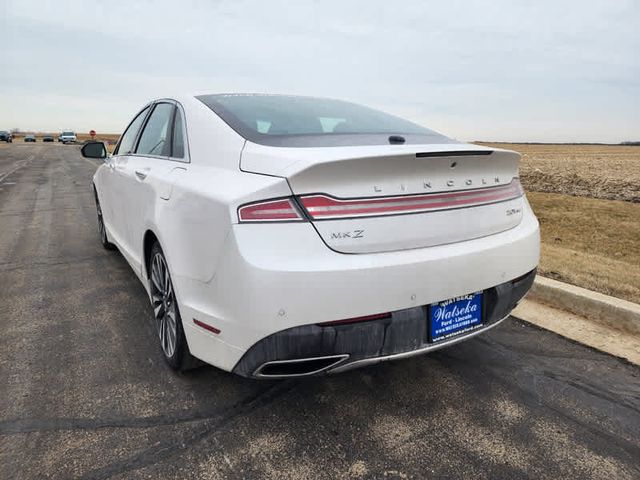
{"x": 455, "y": 316}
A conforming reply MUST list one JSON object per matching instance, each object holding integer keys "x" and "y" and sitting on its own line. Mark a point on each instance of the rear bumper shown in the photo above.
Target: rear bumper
{"x": 353, "y": 345}
{"x": 273, "y": 279}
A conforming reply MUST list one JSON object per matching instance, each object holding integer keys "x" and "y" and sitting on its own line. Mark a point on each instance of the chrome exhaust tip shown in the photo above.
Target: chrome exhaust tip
{"x": 298, "y": 367}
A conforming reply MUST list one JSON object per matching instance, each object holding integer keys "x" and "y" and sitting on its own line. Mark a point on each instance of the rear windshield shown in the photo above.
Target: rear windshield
{"x": 292, "y": 121}
{"x": 68, "y": 133}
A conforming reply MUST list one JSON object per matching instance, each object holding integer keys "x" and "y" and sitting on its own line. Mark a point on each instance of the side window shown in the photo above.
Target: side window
{"x": 178, "y": 136}
{"x": 155, "y": 136}
{"x": 129, "y": 136}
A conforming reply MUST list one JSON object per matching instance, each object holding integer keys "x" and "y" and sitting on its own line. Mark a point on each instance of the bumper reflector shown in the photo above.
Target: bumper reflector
{"x": 206, "y": 326}
{"x": 377, "y": 316}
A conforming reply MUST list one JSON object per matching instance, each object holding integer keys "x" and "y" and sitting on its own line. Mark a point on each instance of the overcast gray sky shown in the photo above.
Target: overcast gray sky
{"x": 555, "y": 71}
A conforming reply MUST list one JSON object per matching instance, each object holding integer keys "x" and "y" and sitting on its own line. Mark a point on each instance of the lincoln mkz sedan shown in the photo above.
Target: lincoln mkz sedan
{"x": 282, "y": 236}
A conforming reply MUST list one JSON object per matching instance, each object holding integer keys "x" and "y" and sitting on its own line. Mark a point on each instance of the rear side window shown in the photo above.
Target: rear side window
{"x": 154, "y": 139}
{"x": 178, "y": 136}
{"x": 129, "y": 137}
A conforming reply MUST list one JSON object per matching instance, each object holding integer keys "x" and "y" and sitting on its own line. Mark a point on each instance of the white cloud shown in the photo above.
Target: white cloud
{"x": 545, "y": 70}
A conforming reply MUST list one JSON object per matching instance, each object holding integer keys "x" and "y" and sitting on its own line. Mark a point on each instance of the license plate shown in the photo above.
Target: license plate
{"x": 455, "y": 316}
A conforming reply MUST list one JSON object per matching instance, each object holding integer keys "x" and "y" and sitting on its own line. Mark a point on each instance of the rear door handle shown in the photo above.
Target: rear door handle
{"x": 141, "y": 175}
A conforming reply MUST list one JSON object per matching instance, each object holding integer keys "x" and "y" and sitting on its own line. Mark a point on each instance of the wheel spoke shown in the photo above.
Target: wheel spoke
{"x": 162, "y": 331}
{"x": 171, "y": 317}
{"x": 172, "y": 342}
{"x": 158, "y": 273}
{"x": 166, "y": 340}
{"x": 153, "y": 270}
{"x": 171, "y": 332}
{"x": 156, "y": 283}
{"x": 155, "y": 276}
{"x": 166, "y": 280}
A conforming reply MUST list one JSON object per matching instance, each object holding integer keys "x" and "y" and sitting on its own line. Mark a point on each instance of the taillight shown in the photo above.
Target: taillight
{"x": 281, "y": 210}
{"x": 322, "y": 206}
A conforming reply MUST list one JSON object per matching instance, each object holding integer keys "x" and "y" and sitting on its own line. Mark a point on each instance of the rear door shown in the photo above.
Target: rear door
{"x": 160, "y": 156}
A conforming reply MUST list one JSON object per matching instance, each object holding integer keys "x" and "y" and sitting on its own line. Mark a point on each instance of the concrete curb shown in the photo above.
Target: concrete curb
{"x": 599, "y": 308}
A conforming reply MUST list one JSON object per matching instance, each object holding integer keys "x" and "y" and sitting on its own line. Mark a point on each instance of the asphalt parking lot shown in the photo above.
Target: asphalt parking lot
{"x": 86, "y": 394}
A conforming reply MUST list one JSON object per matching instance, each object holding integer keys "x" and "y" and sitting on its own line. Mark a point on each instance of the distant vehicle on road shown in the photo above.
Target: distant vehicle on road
{"x": 29, "y": 138}
{"x": 6, "y": 136}
{"x": 283, "y": 236}
{"x": 67, "y": 137}
{"x": 47, "y": 138}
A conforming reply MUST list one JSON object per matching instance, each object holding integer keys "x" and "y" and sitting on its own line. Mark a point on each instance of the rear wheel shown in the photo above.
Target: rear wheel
{"x": 167, "y": 314}
{"x": 103, "y": 231}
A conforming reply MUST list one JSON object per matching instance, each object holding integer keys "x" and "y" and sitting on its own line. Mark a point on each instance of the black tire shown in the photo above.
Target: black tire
{"x": 101, "y": 228}
{"x": 166, "y": 314}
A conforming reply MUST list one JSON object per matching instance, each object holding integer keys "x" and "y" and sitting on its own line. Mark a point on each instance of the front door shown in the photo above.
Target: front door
{"x": 111, "y": 192}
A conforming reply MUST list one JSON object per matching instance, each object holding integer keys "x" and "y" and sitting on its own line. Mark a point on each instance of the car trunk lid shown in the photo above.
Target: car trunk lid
{"x": 394, "y": 197}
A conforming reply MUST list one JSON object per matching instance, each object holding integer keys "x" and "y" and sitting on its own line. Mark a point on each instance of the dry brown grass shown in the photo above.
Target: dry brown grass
{"x": 591, "y": 243}
{"x": 110, "y": 138}
{"x": 600, "y": 171}
{"x": 105, "y": 137}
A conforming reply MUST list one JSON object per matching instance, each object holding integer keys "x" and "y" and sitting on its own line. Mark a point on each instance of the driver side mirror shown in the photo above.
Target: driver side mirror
{"x": 94, "y": 150}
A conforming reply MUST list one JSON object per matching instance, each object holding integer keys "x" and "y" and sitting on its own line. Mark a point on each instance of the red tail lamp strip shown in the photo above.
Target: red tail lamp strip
{"x": 206, "y": 326}
{"x": 322, "y": 206}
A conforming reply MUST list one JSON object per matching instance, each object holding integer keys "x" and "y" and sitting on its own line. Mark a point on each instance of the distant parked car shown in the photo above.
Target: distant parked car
{"x": 47, "y": 138}
{"x": 29, "y": 138}
{"x": 6, "y": 136}
{"x": 67, "y": 137}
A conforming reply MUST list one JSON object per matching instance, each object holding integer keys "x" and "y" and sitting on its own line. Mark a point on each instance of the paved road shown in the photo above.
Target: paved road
{"x": 85, "y": 393}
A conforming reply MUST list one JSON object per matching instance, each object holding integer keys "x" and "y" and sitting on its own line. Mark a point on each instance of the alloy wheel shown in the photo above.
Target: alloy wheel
{"x": 164, "y": 304}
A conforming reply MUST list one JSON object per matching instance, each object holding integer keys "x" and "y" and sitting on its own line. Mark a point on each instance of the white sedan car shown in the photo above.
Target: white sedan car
{"x": 282, "y": 236}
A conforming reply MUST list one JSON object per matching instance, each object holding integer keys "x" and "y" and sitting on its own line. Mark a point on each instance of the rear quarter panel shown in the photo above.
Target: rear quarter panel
{"x": 196, "y": 220}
